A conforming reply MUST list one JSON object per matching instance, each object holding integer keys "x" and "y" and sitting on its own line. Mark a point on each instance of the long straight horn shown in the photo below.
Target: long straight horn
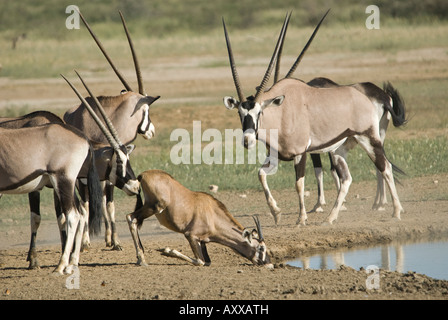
{"x": 265, "y": 80}
{"x": 257, "y": 224}
{"x": 109, "y": 137}
{"x": 141, "y": 90}
{"x": 236, "y": 78}
{"x": 118, "y": 73}
{"x": 295, "y": 65}
{"x": 277, "y": 65}
{"x": 109, "y": 124}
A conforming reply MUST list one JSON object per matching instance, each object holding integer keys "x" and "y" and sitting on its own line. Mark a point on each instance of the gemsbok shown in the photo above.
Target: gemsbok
{"x": 388, "y": 102}
{"x": 108, "y": 166}
{"x": 309, "y": 120}
{"x": 129, "y": 113}
{"x": 114, "y": 168}
{"x": 53, "y": 155}
{"x": 199, "y": 216}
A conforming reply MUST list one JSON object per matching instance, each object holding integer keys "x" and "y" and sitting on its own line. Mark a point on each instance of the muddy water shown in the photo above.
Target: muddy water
{"x": 430, "y": 258}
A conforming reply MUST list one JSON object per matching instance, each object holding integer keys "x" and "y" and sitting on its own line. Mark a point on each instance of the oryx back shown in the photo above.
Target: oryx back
{"x": 31, "y": 157}
{"x": 32, "y": 119}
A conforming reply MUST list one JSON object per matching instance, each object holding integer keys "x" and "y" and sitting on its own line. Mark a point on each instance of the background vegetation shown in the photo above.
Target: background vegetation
{"x": 177, "y": 29}
{"x": 160, "y": 18}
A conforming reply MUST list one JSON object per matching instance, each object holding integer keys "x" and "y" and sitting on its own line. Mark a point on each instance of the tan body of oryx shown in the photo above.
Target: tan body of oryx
{"x": 129, "y": 114}
{"x": 52, "y": 155}
{"x": 309, "y": 120}
{"x": 389, "y": 105}
{"x": 197, "y": 215}
{"x": 33, "y": 119}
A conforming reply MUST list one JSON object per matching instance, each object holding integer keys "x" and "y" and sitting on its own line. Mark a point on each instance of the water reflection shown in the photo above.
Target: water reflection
{"x": 430, "y": 258}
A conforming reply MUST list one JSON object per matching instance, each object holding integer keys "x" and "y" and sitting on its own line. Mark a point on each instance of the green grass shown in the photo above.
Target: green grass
{"x": 169, "y": 30}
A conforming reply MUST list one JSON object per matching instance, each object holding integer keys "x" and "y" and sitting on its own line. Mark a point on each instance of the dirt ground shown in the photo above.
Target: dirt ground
{"x": 106, "y": 274}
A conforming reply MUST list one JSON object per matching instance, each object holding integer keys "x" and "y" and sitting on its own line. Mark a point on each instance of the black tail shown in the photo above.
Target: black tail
{"x": 398, "y": 109}
{"x": 395, "y": 169}
{"x": 95, "y": 197}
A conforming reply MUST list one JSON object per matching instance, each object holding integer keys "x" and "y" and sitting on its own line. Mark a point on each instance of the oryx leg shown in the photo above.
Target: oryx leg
{"x": 77, "y": 243}
{"x": 374, "y": 149}
{"x": 381, "y": 197}
{"x": 337, "y": 175}
{"x": 111, "y": 229}
{"x": 299, "y": 166}
{"x": 72, "y": 221}
{"x": 84, "y": 193}
{"x": 317, "y": 164}
{"x": 338, "y": 158}
{"x": 34, "y": 202}
{"x": 198, "y": 248}
{"x": 62, "y": 221}
{"x": 133, "y": 223}
{"x": 275, "y": 211}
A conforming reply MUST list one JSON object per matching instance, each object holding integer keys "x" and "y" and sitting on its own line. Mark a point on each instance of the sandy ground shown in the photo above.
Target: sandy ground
{"x": 106, "y": 274}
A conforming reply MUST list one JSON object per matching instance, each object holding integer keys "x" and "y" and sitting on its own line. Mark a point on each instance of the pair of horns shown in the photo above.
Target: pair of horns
{"x": 258, "y": 225}
{"x": 109, "y": 132}
{"x": 274, "y": 59}
{"x": 265, "y": 80}
{"x": 299, "y": 58}
{"x": 141, "y": 90}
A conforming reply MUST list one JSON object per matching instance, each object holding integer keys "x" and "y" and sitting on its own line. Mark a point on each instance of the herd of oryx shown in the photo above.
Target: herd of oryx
{"x": 87, "y": 154}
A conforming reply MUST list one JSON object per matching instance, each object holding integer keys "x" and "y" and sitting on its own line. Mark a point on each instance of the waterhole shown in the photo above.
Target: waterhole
{"x": 427, "y": 257}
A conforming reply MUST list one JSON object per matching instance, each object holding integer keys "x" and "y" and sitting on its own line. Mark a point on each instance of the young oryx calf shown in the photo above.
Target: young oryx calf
{"x": 199, "y": 216}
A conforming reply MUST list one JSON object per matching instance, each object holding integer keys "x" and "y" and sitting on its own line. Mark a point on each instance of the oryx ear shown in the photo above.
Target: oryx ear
{"x": 276, "y": 102}
{"x": 247, "y": 235}
{"x": 130, "y": 148}
{"x": 230, "y": 102}
{"x": 142, "y": 101}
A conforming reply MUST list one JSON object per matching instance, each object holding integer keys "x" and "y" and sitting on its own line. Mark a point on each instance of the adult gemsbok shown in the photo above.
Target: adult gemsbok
{"x": 309, "y": 120}
{"x": 53, "y": 155}
{"x": 389, "y": 104}
{"x": 129, "y": 113}
{"x": 108, "y": 164}
{"x": 115, "y": 167}
{"x": 197, "y": 215}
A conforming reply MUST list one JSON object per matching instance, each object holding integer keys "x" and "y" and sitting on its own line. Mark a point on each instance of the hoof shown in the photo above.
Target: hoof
{"x": 85, "y": 247}
{"x": 141, "y": 263}
{"x": 117, "y": 247}
{"x": 277, "y": 218}
{"x": 327, "y": 223}
{"x": 377, "y": 207}
{"x": 317, "y": 209}
{"x": 34, "y": 265}
{"x": 57, "y": 272}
